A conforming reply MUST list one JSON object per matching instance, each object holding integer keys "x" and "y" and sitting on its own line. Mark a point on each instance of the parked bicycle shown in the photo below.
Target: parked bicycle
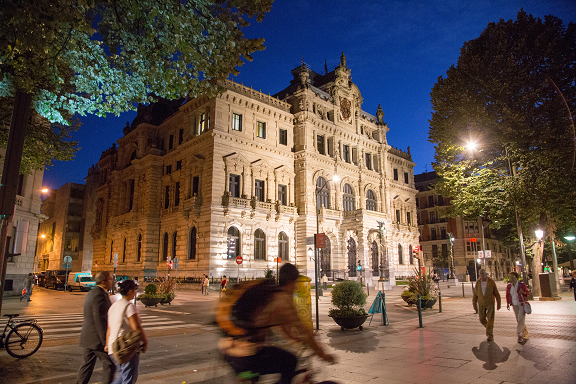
{"x": 21, "y": 338}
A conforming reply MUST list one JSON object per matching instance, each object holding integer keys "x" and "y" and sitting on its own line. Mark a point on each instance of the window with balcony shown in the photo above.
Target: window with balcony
{"x": 430, "y": 201}
{"x": 398, "y": 216}
{"x": 370, "y": 200}
{"x": 320, "y": 144}
{"x": 433, "y": 235}
{"x": 201, "y": 123}
{"x": 368, "y": 157}
{"x": 443, "y": 234}
{"x": 259, "y": 190}
{"x": 348, "y": 198}
{"x": 195, "y": 185}
{"x": 282, "y": 194}
{"x": 234, "y": 185}
{"x": 432, "y": 217}
{"x": 192, "y": 244}
{"x": 322, "y": 194}
{"x": 408, "y": 218}
{"x": 346, "y": 153}
{"x": 167, "y": 197}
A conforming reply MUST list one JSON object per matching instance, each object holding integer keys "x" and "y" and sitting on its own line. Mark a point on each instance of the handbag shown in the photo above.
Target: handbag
{"x": 23, "y": 291}
{"x": 126, "y": 346}
{"x": 526, "y": 305}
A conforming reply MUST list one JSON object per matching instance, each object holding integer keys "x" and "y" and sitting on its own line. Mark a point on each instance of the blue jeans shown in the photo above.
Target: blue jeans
{"x": 27, "y": 294}
{"x": 127, "y": 373}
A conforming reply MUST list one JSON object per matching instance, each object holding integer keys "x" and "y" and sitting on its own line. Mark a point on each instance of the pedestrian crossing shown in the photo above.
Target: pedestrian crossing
{"x": 69, "y": 325}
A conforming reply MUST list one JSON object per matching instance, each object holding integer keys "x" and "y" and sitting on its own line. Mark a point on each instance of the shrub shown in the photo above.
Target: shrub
{"x": 348, "y": 298}
{"x": 151, "y": 289}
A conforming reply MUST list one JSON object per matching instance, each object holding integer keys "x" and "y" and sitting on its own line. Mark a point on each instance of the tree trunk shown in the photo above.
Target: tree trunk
{"x": 536, "y": 269}
{"x": 10, "y": 174}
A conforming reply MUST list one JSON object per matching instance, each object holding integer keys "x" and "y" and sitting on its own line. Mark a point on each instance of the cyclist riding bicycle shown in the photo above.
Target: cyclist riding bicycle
{"x": 251, "y": 352}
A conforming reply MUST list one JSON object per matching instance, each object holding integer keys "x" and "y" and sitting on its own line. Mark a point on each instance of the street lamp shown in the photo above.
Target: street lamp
{"x": 317, "y": 259}
{"x": 570, "y": 238}
{"x": 452, "y": 272}
{"x": 384, "y": 265}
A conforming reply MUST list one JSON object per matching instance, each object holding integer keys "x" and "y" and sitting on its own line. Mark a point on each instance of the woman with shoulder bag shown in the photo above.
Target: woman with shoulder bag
{"x": 123, "y": 319}
{"x": 517, "y": 296}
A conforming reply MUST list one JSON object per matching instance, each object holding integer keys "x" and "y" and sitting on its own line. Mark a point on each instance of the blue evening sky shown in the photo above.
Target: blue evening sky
{"x": 396, "y": 51}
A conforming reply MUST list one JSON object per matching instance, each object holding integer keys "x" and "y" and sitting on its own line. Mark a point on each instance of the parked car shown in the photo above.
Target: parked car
{"x": 80, "y": 280}
{"x": 55, "y": 278}
{"x": 41, "y": 279}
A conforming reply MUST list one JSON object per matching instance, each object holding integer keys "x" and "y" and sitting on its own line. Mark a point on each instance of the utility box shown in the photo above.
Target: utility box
{"x": 548, "y": 285}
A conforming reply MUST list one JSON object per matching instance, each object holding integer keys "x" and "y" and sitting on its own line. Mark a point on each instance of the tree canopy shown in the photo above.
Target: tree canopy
{"x": 512, "y": 94}
{"x": 102, "y": 56}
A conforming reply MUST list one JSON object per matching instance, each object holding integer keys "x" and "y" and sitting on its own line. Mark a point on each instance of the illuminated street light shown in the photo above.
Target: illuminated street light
{"x": 570, "y": 238}
{"x": 45, "y": 190}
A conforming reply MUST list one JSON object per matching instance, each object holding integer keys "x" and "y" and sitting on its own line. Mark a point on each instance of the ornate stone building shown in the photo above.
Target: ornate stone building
{"x": 209, "y": 179}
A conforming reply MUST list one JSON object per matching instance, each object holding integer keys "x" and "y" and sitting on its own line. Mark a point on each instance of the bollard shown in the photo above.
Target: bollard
{"x": 420, "y": 311}
{"x": 439, "y": 302}
{"x": 463, "y": 289}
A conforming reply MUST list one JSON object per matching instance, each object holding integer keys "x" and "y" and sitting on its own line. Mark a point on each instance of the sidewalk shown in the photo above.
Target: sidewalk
{"x": 451, "y": 348}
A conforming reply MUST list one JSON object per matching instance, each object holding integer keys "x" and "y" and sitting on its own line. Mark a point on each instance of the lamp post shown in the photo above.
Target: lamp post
{"x": 317, "y": 258}
{"x": 570, "y": 238}
{"x": 384, "y": 265}
{"x": 452, "y": 272}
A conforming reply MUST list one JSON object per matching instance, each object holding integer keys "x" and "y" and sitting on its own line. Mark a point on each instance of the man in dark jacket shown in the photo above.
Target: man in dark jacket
{"x": 93, "y": 335}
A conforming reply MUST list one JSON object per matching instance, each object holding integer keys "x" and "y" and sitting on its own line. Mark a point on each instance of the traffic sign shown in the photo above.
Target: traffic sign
{"x": 176, "y": 259}
{"x": 473, "y": 239}
{"x": 416, "y": 248}
{"x": 176, "y": 265}
{"x": 67, "y": 266}
{"x": 67, "y": 259}
{"x": 278, "y": 260}
{"x": 320, "y": 240}
{"x": 239, "y": 260}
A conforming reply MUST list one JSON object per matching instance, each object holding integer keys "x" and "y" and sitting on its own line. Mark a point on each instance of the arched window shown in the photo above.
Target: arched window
{"x": 192, "y": 250}
{"x": 233, "y": 242}
{"x": 259, "y": 245}
{"x": 283, "y": 246}
{"x": 400, "y": 254}
{"x": 111, "y": 252}
{"x": 139, "y": 248}
{"x": 370, "y": 200}
{"x": 351, "y": 257}
{"x": 348, "y": 199}
{"x": 165, "y": 247}
{"x": 124, "y": 251}
{"x": 174, "y": 237}
{"x": 322, "y": 193}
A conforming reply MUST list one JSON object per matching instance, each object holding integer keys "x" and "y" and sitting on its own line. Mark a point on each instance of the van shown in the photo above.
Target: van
{"x": 80, "y": 280}
{"x": 55, "y": 278}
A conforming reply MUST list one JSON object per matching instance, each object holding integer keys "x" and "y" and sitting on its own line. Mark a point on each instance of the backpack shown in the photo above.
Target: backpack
{"x": 236, "y": 311}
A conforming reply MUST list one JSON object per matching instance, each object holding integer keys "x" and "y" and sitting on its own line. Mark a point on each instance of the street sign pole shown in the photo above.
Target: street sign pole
{"x": 67, "y": 261}
{"x": 114, "y": 277}
{"x": 238, "y": 262}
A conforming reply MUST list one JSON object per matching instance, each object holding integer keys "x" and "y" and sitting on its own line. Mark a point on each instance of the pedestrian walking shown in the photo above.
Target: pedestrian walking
{"x": 123, "y": 318}
{"x": 573, "y": 283}
{"x": 93, "y": 334}
{"x": 325, "y": 281}
{"x": 202, "y": 284}
{"x": 516, "y": 295}
{"x": 28, "y": 282}
{"x": 223, "y": 285}
{"x": 485, "y": 294}
{"x": 206, "y": 284}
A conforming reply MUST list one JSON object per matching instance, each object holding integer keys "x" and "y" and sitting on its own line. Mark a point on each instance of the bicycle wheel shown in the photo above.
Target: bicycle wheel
{"x": 23, "y": 340}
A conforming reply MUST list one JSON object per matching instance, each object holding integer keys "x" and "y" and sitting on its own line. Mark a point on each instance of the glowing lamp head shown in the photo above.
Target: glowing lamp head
{"x": 539, "y": 233}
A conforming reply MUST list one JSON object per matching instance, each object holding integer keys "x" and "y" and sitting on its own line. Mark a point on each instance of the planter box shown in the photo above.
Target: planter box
{"x": 350, "y": 322}
{"x": 150, "y": 301}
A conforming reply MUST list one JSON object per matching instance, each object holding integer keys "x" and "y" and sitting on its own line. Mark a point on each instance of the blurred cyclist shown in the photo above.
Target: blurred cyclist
{"x": 250, "y": 353}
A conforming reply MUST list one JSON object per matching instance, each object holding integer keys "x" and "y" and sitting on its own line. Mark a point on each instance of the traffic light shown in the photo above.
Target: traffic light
{"x": 359, "y": 266}
{"x": 416, "y": 248}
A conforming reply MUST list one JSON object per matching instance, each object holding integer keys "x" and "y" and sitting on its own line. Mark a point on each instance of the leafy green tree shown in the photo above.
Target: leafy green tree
{"x": 71, "y": 57}
{"x": 512, "y": 93}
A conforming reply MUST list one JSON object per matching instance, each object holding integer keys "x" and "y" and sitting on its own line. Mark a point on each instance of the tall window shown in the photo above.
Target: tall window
{"x": 124, "y": 251}
{"x": 322, "y": 193}
{"x": 202, "y": 123}
{"x": 111, "y": 251}
{"x": 410, "y": 254}
{"x": 400, "y": 257}
{"x": 139, "y": 248}
{"x": 235, "y": 185}
{"x": 348, "y": 199}
{"x": 434, "y": 250}
{"x": 432, "y": 217}
{"x": 370, "y": 200}
{"x": 430, "y": 201}
{"x": 131, "y": 201}
{"x": 177, "y": 194}
{"x": 233, "y": 242}
{"x": 346, "y": 153}
{"x": 259, "y": 245}
{"x": 398, "y": 216}
{"x": 171, "y": 142}
{"x": 320, "y": 144}
{"x": 351, "y": 257}
{"x": 259, "y": 190}
{"x": 174, "y": 237}
{"x": 195, "y": 185}
{"x": 180, "y": 136}
{"x": 236, "y": 122}
{"x": 408, "y": 218}
{"x": 165, "y": 247}
{"x": 282, "y": 194}
{"x": 283, "y": 137}
{"x": 192, "y": 242}
{"x": 395, "y": 174}
{"x": 433, "y": 234}
{"x": 283, "y": 246}
{"x": 406, "y": 177}
{"x": 443, "y": 234}
{"x": 167, "y": 197}
{"x": 178, "y": 164}
{"x": 368, "y": 161}
{"x": 261, "y": 129}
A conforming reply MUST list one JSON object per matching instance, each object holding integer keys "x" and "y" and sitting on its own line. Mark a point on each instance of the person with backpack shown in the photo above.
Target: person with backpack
{"x": 246, "y": 315}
